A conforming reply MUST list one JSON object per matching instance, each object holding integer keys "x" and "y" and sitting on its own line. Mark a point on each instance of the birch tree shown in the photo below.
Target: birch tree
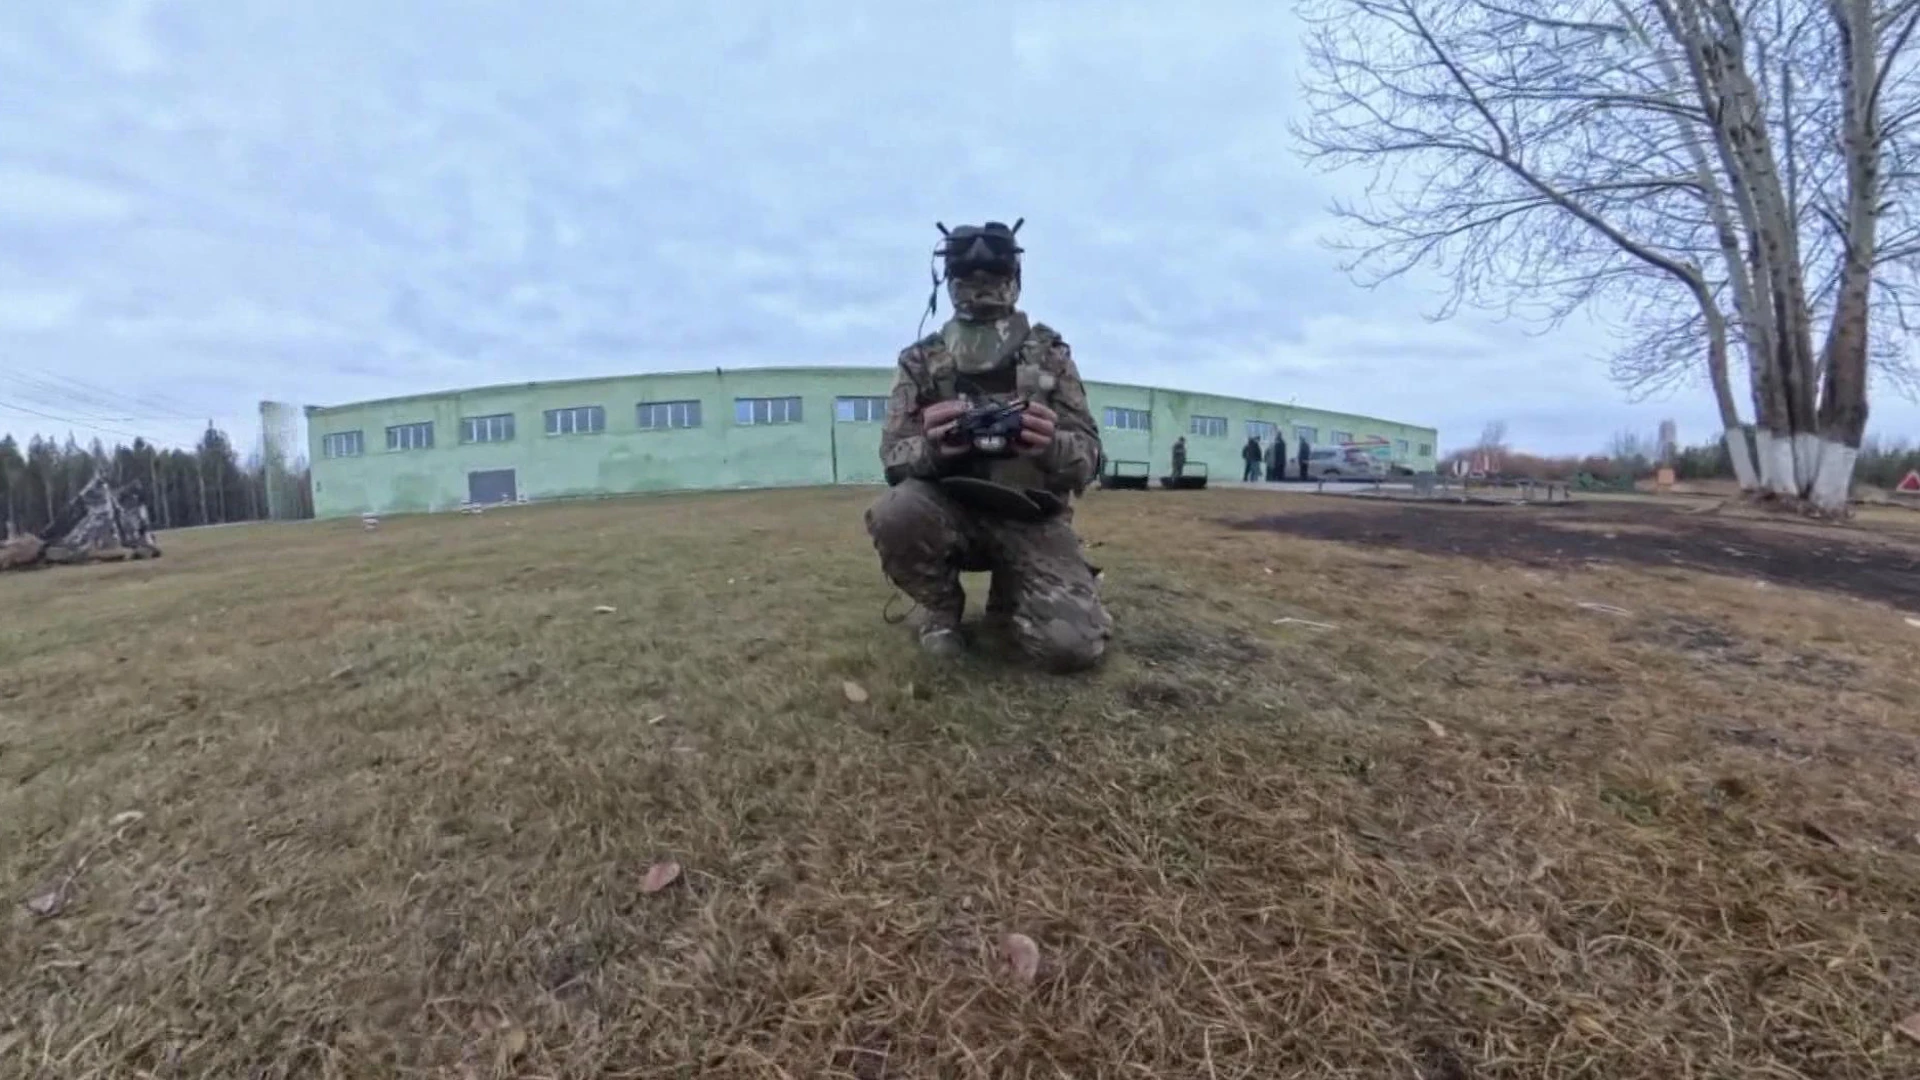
{"x": 1718, "y": 178}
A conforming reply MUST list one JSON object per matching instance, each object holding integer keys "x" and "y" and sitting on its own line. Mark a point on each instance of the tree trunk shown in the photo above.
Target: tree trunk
{"x": 1843, "y": 398}
{"x": 1739, "y": 449}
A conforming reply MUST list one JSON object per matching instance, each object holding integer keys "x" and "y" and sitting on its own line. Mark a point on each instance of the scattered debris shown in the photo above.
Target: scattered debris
{"x": 652, "y": 720}
{"x": 1439, "y": 730}
{"x": 20, "y": 551}
{"x": 1910, "y": 1027}
{"x": 1291, "y": 621}
{"x": 124, "y": 818}
{"x": 340, "y": 672}
{"x": 1023, "y": 957}
{"x": 605, "y": 609}
{"x": 49, "y": 903}
{"x": 855, "y": 692}
{"x": 1911, "y": 621}
{"x": 659, "y": 876}
{"x": 102, "y": 522}
{"x": 1605, "y": 609}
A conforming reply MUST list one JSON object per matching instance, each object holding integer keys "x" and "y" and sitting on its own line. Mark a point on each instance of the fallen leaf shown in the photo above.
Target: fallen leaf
{"x": 605, "y": 609}
{"x": 340, "y": 672}
{"x": 1023, "y": 957}
{"x": 512, "y": 1045}
{"x": 1910, "y": 1027}
{"x": 47, "y": 904}
{"x": 1821, "y": 833}
{"x": 855, "y": 692}
{"x": 1439, "y": 730}
{"x": 659, "y": 876}
{"x": 125, "y": 817}
{"x": 651, "y": 720}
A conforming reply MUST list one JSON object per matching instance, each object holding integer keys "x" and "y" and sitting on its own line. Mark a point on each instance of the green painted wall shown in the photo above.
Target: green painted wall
{"x": 720, "y": 453}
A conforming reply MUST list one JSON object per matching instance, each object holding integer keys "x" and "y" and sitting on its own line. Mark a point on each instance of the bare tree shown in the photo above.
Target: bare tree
{"x": 1717, "y": 176}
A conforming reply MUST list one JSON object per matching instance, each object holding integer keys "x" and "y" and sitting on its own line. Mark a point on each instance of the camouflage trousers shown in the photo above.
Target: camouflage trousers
{"x": 1042, "y": 587}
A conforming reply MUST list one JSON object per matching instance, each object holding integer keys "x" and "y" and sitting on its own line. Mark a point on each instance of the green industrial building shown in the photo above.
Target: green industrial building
{"x": 747, "y": 428}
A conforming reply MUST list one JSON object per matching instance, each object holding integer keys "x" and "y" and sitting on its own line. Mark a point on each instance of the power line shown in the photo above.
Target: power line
{"x": 71, "y": 389}
{"x": 70, "y": 420}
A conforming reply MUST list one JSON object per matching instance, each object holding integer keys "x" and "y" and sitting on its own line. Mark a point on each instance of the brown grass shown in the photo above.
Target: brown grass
{"x": 400, "y": 791}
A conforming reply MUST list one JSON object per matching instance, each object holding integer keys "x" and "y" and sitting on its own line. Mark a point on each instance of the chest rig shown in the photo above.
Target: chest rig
{"x": 991, "y": 363}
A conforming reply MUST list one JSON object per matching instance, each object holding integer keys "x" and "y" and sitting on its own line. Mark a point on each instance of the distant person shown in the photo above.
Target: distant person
{"x": 1306, "y": 451}
{"x": 1179, "y": 456}
{"x": 1276, "y": 459}
{"x": 1250, "y": 454}
{"x": 956, "y": 503}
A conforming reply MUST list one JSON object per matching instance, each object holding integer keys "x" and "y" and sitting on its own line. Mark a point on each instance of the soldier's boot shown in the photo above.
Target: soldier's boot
{"x": 922, "y": 541}
{"x": 940, "y": 637}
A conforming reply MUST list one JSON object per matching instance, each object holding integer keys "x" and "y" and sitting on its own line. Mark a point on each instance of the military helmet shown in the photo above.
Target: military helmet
{"x": 992, "y": 248}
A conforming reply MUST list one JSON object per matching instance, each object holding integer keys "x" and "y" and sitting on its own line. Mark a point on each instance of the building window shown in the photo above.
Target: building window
{"x": 860, "y": 410}
{"x": 1311, "y": 434}
{"x": 579, "y": 420}
{"x": 660, "y": 415}
{"x": 410, "y": 436}
{"x": 1260, "y": 429}
{"x": 1126, "y": 419}
{"x": 1213, "y": 427}
{"x": 342, "y": 444}
{"x": 1400, "y": 449}
{"x": 495, "y": 428}
{"x": 1342, "y": 438}
{"x": 1426, "y": 449}
{"x": 777, "y": 410}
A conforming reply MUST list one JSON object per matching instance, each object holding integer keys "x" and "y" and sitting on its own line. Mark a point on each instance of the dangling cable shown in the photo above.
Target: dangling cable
{"x": 933, "y": 297}
{"x": 887, "y": 608}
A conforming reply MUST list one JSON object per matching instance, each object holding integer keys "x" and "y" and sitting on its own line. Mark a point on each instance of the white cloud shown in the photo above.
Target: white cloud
{"x": 29, "y": 311}
{"x": 46, "y": 198}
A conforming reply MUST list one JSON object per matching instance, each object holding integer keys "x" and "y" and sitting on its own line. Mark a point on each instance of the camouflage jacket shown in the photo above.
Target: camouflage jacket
{"x": 1043, "y": 371}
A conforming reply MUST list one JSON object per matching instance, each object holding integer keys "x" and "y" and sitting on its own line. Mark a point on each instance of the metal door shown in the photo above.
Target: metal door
{"x": 491, "y": 486}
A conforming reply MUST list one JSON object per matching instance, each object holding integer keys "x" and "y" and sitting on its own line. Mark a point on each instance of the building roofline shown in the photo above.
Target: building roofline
{"x": 801, "y": 369}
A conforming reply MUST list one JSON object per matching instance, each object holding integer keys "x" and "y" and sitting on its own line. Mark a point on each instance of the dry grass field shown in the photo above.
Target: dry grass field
{"x": 1612, "y": 792}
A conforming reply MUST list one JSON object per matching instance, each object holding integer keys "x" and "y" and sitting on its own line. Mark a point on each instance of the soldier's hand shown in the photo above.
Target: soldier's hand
{"x": 1036, "y": 428}
{"x": 937, "y": 421}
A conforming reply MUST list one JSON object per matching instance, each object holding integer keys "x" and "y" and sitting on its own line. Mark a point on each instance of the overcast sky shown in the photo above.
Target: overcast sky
{"x": 204, "y": 203}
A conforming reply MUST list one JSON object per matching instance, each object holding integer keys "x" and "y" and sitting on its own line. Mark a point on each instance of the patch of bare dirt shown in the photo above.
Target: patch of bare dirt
{"x": 1831, "y": 559}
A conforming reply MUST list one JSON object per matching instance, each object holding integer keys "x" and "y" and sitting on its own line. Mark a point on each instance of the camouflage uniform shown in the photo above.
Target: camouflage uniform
{"x": 1042, "y": 588}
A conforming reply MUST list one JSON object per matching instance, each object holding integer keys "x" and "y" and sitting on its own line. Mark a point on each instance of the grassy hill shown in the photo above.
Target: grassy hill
{"x": 1364, "y": 792}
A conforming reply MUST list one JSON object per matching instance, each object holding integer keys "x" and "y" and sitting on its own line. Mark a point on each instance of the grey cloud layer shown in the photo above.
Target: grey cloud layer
{"x": 223, "y": 201}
